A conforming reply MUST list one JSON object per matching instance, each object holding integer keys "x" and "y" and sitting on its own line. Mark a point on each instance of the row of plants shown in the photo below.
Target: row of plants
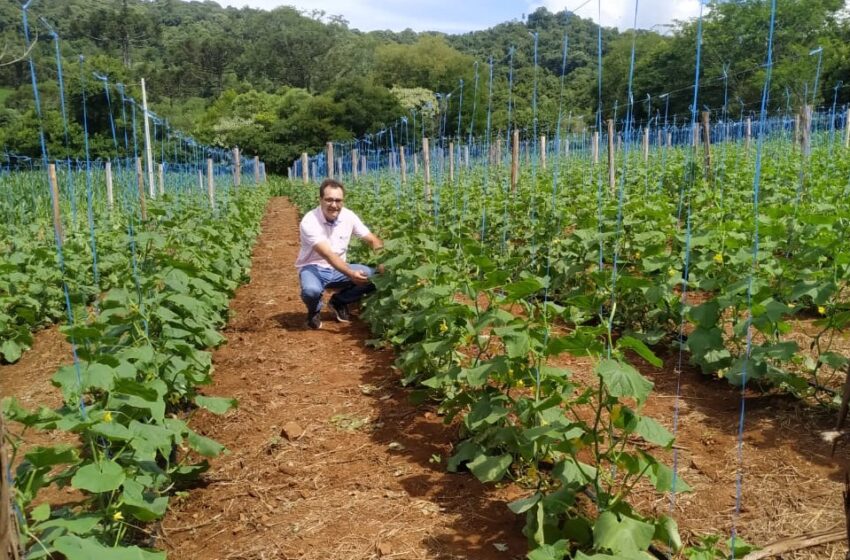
{"x": 485, "y": 287}
{"x": 141, "y": 358}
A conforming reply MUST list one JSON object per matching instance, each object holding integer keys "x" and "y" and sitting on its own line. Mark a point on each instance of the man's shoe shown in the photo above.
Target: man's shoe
{"x": 314, "y": 320}
{"x": 341, "y": 311}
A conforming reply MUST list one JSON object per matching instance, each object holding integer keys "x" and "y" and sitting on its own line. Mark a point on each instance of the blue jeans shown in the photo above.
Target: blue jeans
{"x": 315, "y": 279}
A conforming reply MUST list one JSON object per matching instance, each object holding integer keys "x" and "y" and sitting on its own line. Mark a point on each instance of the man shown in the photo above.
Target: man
{"x": 325, "y": 233}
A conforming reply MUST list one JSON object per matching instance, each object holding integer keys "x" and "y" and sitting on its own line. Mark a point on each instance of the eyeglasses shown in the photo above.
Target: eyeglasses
{"x": 333, "y": 200}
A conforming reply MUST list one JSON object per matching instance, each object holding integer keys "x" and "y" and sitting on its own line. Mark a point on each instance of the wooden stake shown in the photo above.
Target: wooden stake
{"x": 797, "y": 139}
{"x": 847, "y": 126}
{"x": 796, "y": 543}
{"x": 426, "y": 166}
{"x": 515, "y": 160}
{"x": 201, "y": 179}
{"x": 451, "y": 161}
{"x": 256, "y": 170}
{"x": 354, "y": 159}
{"x": 706, "y": 141}
{"x": 160, "y": 178}
{"x": 749, "y": 133}
{"x": 339, "y": 167}
{"x": 498, "y": 158}
{"x": 807, "y": 131}
{"x": 305, "y": 167}
{"x": 148, "y": 148}
{"x": 57, "y": 216}
{"x": 612, "y": 176}
{"x": 594, "y": 148}
{"x": 330, "y": 160}
{"x": 646, "y": 144}
{"x": 543, "y": 151}
{"x": 8, "y": 524}
{"x": 415, "y": 164}
{"x": 140, "y": 179}
{"x": 263, "y": 172}
{"x": 314, "y": 169}
{"x": 403, "y": 166}
{"x": 110, "y": 197}
{"x": 237, "y": 168}
{"x": 669, "y": 139}
{"x": 364, "y": 165}
{"x": 466, "y": 156}
{"x": 210, "y": 183}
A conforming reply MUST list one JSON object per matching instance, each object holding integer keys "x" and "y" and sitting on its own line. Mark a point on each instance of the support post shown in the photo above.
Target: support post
{"x": 210, "y": 183}
{"x": 140, "y": 180}
{"x": 796, "y": 140}
{"x": 314, "y": 170}
{"x": 148, "y": 148}
{"x": 669, "y": 139}
{"x": 451, "y": 162}
{"x": 201, "y": 179}
{"x": 237, "y": 168}
{"x": 543, "y": 151}
{"x": 514, "y": 160}
{"x": 339, "y": 167}
{"x": 57, "y": 215}
{"x": 646, "y": 144}
{"x": 354, "y": 160}
{"x": 706, "y": 142}
{"x": 256, "y": 170}
{"x": 110, "y": 196}
{"x": 8, "y": 523}
{"x": 498, "y": 161}
{"x": 426, "y": 166}
{"x": 466, "y": 156}
{"x": 305, "y": 167}
{"x": 847, "y": 126}
{"x": 330, "y": 159}
{"x": 403, "y": 165}
{"x": 364, "y": 165}
{"x": 749, "y": 133}
{"x": 612, "y": 176}
{"x": 160, "y": 178}
{"x": 594, "y": 148}
{"x": 807, "y": 131}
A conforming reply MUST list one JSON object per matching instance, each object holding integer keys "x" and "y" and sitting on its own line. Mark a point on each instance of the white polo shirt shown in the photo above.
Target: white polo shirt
{"x": 315, "y": 228}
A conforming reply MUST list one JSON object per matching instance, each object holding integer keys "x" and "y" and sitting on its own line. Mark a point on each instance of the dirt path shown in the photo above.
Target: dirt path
{"x": 352, "y": 476}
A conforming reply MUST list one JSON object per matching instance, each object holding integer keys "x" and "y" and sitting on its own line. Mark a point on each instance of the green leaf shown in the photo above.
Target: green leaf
{"x": 653, "y": 432}
{"x": 216, "y": 405}
{"x": 204, "y": 445}
{"x": 667, "y": 531}
{"x": 622, "y": 535}
{"x": 76, "y": 548}
{"x": 40, "y": 513}
{"x": 640, "y": 349}
{"x": 144, "y": 506}
{"x": 104, "y": 476}
{"x": 523, "y": 288}
{"x": 77, "y": 525}
{"x": 524, "y": 504}
{"x": 488, "y": 468}
{"x": 478, "y": 376}
{"x": 50, "y": 456}
{"x": 622, "y": 380}
{"x": 556, "y": 551}
{"x": 11, "y": 351}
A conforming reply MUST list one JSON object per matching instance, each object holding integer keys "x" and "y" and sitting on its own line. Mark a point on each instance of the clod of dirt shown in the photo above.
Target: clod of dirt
{"x": 292, "y": 431}
{"x": 384, "y": 549}
{"x": 395, "y": 446}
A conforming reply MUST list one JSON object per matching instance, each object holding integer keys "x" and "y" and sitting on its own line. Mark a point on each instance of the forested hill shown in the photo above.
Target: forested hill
{"x": 281, "y": 82}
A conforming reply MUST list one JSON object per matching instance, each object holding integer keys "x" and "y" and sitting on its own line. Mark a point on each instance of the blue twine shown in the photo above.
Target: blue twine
{"x": 89, "y": 193}
{"x": 756, "y": 193}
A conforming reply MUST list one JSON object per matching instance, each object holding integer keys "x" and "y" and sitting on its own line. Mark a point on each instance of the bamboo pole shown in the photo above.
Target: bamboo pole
{"x": 646, "y": 144}
{"x": 498, "y": 157}
{"x": 749, "y": 133}
{"x": 57, "y": 215}
{"x": 210, "y": 183}
{"x": 846, "y": 126}
{"x": 339, "y": 167}
{"x": 796, "y": 131}
{"x": 426, "y": 166}
{"x": 314, "y": 170}
{"x": 612, "y": 176}
{"x": 403, "y": 165}
{"x": 466, "y": 156}
{"x": 416, "y": 164}
{"x": 364, "y": 165}
{"x": 515, "y": 160}
{"x": 201, "y": 179}
{"x": 148, "y": 147}
{"x": 256, "y": 170}
{"x": 330, "y": 159}
{"x": 140, "y": 180}
{"x": 807, "y": 131}
{"x": 669, "y": 139}
{"x": 354, "y": 160}
{"x": 305, "y": 168}
{"x": 110, "y": 196}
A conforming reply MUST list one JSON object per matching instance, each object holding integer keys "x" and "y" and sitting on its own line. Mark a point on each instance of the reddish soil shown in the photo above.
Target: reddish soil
{"x": 329, "y": 460}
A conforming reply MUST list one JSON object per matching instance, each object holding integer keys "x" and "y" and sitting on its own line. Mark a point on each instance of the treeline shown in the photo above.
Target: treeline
{"x": 280, "y": 82}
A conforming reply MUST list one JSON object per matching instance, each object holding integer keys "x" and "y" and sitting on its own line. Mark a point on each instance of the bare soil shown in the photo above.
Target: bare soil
{"x": 329, "y": 459}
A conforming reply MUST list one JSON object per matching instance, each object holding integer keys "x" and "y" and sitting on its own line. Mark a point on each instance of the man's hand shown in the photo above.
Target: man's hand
{"x": 359, "y": 277}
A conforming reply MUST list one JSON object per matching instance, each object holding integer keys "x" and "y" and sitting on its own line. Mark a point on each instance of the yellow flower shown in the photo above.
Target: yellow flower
{"x": 821, "y": 309}
{"x": 520, "y": 383}
{"x": 718, "y": 258}
{"x": 671, "y": 272}
{"x": 107, "y": 416}
{"x": 117, "y": 516}
{"x": 443, "y": 326}
{"x": 616, "y": 412}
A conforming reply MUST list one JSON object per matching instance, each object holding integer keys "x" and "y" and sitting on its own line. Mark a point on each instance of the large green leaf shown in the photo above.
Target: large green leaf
{"x": 103, "y": 476}
{"x": 653, "y": 432}
{"x": 76, "y": 548}
{"x": 204, "y": 445}
{"x": 216, "y": 405}
{"x": 490, "y": 468}
{"x": 622, "y": 380}
{"x": 622, "y": 535}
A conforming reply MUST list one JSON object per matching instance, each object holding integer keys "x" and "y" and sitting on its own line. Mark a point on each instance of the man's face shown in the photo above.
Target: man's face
{"x": 331, "y": 203}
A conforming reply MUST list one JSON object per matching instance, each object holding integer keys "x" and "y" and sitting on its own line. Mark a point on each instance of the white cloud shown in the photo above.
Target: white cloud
{"x": 621, "y": 13}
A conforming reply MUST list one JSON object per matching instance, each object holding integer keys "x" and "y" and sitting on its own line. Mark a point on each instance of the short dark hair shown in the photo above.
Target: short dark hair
{"x": 330, "y": 183}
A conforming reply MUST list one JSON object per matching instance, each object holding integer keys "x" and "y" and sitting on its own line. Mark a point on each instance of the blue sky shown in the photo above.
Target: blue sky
{"x": 458, "y": 16}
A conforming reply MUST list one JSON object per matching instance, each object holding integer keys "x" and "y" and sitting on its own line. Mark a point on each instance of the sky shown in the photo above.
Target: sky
{"x": 460, "y": 16}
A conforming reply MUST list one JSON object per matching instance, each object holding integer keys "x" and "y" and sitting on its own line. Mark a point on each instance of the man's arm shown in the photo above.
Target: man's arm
{"x": 374, "y": 241}
{"x": 324, "y": 249}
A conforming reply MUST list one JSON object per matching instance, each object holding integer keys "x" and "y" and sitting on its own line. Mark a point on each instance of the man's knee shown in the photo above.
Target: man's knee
{"x": 311, "y": 293}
